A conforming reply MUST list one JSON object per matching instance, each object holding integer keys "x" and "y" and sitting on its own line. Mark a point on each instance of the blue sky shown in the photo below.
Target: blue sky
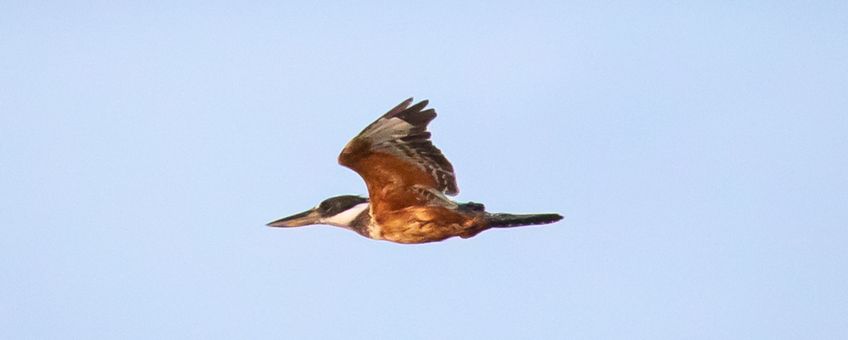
{"x": 696, "y": 150}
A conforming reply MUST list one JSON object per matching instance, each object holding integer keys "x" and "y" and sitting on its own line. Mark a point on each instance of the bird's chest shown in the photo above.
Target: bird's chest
{"x": 415, "y": 225}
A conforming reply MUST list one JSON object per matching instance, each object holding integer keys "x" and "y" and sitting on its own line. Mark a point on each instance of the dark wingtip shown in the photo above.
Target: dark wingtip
{"x": 416, "y": 115}
{"x": 418, "y": 106}
{"x": 399, "y": 108}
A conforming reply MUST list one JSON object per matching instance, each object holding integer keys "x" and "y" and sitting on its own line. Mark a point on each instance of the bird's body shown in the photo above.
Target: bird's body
{"x": 408, "y": 179}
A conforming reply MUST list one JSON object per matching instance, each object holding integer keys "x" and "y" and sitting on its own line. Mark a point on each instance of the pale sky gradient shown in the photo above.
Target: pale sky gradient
{"x": 698, "y": 153}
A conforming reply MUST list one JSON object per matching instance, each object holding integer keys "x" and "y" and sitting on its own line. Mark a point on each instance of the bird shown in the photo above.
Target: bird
{"x": 408, "y": 181}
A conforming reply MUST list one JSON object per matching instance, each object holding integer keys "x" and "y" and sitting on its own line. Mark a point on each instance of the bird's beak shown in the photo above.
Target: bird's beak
{"x": 297, "y": 220}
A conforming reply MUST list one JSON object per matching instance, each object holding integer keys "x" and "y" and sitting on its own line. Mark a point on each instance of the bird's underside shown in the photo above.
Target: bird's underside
{"x": 408, "y": 180}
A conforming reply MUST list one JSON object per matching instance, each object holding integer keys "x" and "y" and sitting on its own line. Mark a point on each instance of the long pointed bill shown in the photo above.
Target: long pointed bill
{"x": 297, "y": 220}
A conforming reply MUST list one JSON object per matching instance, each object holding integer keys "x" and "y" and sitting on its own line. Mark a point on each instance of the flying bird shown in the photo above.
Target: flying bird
{"x": 408, "y": 181}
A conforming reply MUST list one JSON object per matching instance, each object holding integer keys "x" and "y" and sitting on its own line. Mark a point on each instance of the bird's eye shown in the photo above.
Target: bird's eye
{"x": 324, "y": 206}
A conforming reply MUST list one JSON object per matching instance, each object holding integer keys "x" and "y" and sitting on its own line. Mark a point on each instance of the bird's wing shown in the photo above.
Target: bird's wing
{"x": 395, "y": 157}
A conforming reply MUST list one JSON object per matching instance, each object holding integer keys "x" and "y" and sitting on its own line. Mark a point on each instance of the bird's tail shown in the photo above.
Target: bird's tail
{"x": 513, "y": 220}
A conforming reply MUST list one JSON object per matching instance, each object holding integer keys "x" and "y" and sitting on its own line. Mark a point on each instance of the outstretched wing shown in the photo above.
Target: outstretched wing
{"x": 395, "y": 157}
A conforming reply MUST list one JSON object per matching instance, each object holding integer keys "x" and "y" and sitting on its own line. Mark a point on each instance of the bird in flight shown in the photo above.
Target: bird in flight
{"x": 408, "y": 179}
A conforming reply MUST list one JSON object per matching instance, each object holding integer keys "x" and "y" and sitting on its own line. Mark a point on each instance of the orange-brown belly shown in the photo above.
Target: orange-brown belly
{"x": 421, "y": 224}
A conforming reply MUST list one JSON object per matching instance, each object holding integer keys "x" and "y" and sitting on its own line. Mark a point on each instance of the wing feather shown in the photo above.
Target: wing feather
{"x": 401, "y": 133}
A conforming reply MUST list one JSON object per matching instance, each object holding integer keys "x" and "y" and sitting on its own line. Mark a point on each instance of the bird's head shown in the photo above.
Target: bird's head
{"x": 338, "y": 211}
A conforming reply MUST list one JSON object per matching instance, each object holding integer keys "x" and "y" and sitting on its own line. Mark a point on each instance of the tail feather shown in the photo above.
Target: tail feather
{"x": 513, "y": 220}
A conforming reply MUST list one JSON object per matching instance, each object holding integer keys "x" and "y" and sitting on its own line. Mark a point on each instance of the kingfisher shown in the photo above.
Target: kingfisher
{"x": 408, "y": 181}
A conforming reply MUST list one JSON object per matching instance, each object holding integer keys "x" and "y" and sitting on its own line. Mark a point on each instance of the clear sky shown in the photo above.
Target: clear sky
{"x": 697, "y": 151}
